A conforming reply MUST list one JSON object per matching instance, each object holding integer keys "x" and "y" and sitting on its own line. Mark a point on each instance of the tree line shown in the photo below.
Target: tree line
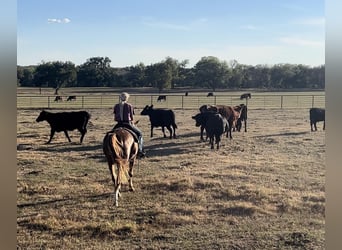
{"x": 209, "y": 72}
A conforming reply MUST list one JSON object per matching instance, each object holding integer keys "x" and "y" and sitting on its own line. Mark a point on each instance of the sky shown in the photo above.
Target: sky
{"x": 130, "y": 32}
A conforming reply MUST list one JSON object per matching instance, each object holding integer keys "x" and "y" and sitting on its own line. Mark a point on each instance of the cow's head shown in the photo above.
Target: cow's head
{"x": 199, "y": 118}
{"x": 42, "y": 116}
{"x": 146, "y": 110}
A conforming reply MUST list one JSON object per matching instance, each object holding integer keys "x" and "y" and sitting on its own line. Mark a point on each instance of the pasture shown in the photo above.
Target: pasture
{"x": 265, "y": 189}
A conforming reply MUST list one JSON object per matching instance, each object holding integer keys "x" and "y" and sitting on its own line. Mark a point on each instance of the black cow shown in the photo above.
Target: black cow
{"x": 317, "y": 115}
{"x": 161, "y": 98}
{"x": 65, "y": 121}
{"x": 58, "y": 98}
{"x": 161, "y": 118}
{"x": 245, "y": 96}
{"x": 242, "y": 109}
{"x": 71, "y": 98}
{"x": 214, "y": 124}
{"x": 210, "y": 94}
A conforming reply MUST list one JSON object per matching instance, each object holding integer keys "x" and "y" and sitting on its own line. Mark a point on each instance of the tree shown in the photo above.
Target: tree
{"x": 211, "y": 73}
{"x": 159, "y": 75}
{"x": 55, "y": 74}
{"x": 95, "y": 72}
{"x": 136, "y": 75}
{"x": 25, "y": 76}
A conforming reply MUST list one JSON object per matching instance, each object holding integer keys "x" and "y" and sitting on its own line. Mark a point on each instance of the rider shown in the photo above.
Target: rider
{"x": 123, "y": 115}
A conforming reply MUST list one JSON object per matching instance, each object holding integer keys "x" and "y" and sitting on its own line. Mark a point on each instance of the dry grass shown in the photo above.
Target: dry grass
{"x": 262, "y": 190}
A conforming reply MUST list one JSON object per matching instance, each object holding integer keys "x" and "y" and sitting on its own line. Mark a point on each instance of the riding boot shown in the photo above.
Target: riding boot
{"x": 141, "y": 152}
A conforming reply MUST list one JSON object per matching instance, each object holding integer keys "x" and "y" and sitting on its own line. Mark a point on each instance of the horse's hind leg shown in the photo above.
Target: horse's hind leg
{"x": 117, "y": 194}
{"x": 130, "y": 173}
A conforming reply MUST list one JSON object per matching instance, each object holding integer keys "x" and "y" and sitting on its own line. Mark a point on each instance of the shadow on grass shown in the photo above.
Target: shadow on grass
{"x": 234, "y": 211}
{"x": 283, "y": 134}
{"x": 65, "y": 201}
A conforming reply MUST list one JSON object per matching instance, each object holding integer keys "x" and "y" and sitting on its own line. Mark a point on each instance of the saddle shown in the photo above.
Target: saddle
{"x": 119, "y": 127}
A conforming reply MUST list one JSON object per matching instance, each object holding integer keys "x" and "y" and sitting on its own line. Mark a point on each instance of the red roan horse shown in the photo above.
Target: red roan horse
{"x": 121, "y": 149}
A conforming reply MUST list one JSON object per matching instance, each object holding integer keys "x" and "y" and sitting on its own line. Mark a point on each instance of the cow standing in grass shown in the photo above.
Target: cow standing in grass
{"x": 242, "y": 109}
{"x": 58, "y": 99}
{"x": 227, "y": 112}
{"x": 214, "y": 124}
{"x": 71, "y": 98}
{"x": 317, "y": 115}
{"x": 65, "y": 121}
{"x": 161, "y": 118}
{"x": 161, "y": 98}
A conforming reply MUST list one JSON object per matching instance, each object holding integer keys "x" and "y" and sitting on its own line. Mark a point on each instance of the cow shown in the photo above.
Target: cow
{"x": 245, "y": 96}
{"x": 214, "y": 124}
{"x": 317, "y": 115}
{"x": 58, "y": 98}
{"x": 227, "y": 112}
{"x": 210, "y": 94}
{"x": 65, "y": 121}
{"x": 242, "y": 109}
{"x": 161, "y": 118}
{"x": 161, "y": 98}
{"x": 71, "y": 98}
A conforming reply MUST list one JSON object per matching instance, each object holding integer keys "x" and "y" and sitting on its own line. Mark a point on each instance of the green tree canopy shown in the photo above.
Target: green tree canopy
{"x": 55, "y": 74}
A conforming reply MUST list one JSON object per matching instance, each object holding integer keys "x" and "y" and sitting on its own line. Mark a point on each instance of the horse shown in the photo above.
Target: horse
{"x": 121, "y": 149}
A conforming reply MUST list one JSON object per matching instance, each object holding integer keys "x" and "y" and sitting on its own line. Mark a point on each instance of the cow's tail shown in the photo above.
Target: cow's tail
{"x": 88, "y": 116}
{"x": 174, "y": 120}
{"x": 174, "y": 125}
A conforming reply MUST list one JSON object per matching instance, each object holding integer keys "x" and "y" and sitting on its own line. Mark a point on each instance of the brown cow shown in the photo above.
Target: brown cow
{"x": 227, "y": 112}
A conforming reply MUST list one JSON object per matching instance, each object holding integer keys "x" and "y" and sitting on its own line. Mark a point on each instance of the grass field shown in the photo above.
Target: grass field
{"x": 262, "y": 190}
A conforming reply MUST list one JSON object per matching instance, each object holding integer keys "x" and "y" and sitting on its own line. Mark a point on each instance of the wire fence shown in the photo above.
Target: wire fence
{"x": 260, "y": 101}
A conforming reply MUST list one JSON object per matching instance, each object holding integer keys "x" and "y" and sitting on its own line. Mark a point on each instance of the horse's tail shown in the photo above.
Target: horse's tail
{"x": 122, "y": 172}
{"x": 121, "y": 160}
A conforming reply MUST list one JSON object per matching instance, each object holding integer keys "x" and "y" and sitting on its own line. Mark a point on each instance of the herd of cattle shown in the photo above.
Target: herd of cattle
{"x": 59, "y": 98}
{"x": 215, "y": 120}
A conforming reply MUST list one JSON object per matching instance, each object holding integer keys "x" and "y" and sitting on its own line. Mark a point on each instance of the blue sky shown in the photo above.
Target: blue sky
{"x": 132, "y": 31}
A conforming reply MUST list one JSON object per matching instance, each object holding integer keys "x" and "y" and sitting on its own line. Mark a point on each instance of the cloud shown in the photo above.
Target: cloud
{"x": 55, "y": 20}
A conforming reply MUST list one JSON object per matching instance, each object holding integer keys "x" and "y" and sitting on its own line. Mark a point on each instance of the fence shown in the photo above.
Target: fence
{"x": 267, "y": 101}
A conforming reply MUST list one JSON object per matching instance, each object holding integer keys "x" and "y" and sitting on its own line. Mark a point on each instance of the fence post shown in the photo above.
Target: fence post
{"x": 281, "y": 102}
{"x": 82, "y": 101}
{"x": 48, "y": 101}
{"x": 313, "y": 101}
